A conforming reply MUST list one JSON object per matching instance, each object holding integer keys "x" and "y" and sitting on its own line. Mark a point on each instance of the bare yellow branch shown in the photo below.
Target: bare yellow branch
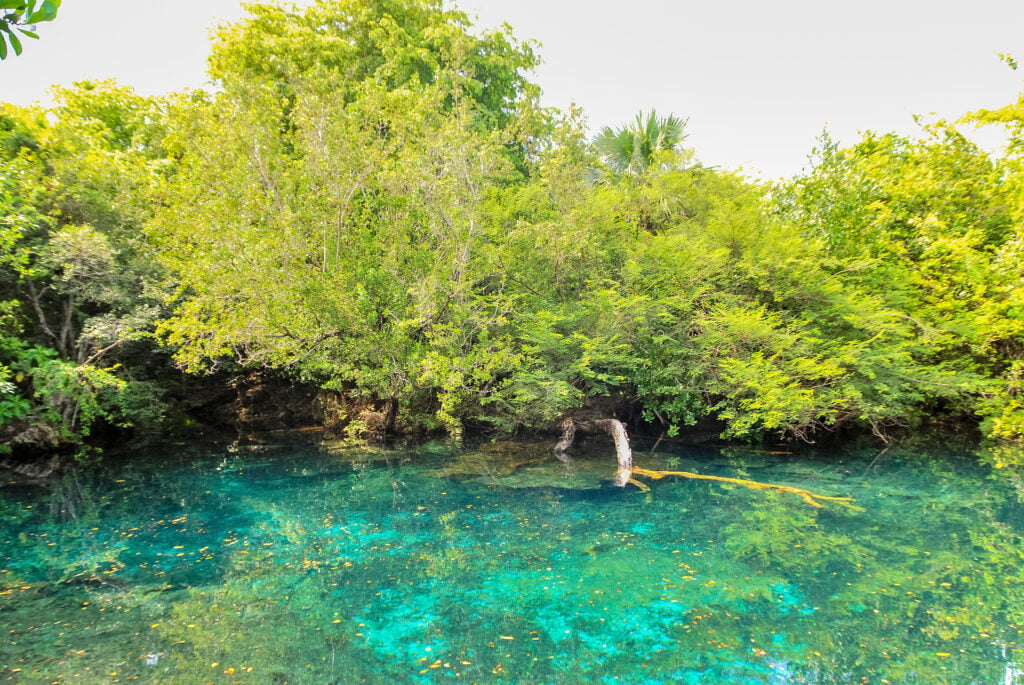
{"x": 812, "y": 498}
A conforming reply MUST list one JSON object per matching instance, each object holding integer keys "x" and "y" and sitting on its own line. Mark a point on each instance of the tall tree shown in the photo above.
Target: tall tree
{"x": 326, "y": 214}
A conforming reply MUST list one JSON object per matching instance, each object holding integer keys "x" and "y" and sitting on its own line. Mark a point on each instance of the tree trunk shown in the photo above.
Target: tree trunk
{"x": 614, "y": 428}
{"x": 390, "y": 415}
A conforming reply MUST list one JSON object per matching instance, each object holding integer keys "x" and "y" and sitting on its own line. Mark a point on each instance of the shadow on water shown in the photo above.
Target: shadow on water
{"x": 601, "y": 492}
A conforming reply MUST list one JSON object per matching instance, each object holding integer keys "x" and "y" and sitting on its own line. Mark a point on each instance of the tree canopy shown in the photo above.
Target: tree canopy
{"x": 373, "y": 201}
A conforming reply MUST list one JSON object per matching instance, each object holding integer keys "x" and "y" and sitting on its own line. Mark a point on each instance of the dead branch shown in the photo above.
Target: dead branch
{"x": 806, "y": 495}
{"x": 613, "y": 427}
{"x": 626, "y": 471}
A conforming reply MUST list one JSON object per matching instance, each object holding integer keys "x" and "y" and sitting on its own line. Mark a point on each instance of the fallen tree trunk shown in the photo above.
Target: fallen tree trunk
{"x": 614, "y": 428}
{"x": 624, "y": 474}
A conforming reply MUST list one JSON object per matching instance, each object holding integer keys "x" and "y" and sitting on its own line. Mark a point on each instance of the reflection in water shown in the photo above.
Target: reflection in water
{"x": 287, "y": 565}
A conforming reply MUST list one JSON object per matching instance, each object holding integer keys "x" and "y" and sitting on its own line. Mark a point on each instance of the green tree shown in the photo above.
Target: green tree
{"x": 79, "y": 294}
{"x": 1004, "y": 411}
{"x": 651, "y": 175}
{"x": 920, "y": 226}
{"x": 633, "y": 147}
{"x": 335, "y": 232}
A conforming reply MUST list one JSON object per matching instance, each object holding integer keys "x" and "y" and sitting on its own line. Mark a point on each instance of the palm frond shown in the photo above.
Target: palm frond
{"x": 632, "y": 147}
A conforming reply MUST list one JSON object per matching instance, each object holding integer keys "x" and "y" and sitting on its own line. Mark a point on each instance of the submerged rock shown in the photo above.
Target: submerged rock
{"x": 343, "y": 450}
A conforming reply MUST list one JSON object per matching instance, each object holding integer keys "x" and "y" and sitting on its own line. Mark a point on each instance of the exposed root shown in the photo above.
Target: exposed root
{"x": 644, "y": 487}
{"x": 811, "y": 498}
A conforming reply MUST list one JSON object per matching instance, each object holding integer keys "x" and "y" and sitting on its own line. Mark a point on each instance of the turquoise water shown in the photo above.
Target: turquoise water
{"x": 298, "y": 564}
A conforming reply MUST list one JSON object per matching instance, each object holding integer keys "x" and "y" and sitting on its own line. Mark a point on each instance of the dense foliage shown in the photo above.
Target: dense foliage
{"x": 78, "y": 290}
{"x": 374, "y": 200}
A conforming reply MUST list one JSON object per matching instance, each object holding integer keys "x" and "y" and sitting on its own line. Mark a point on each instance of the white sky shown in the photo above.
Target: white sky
{"x": 758, "y": 80}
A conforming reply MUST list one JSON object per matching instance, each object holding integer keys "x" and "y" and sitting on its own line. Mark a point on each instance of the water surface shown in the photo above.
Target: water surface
{"x": 298, "y": 564}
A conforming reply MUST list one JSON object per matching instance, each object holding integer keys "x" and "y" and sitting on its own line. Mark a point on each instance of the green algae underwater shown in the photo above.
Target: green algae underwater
{"x": 499, "y": 564}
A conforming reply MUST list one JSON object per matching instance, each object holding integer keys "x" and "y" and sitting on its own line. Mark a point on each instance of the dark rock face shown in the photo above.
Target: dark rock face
{"x": 21, "y": 434}
{"x": 36, "y": 470}
{"x": 266, "y": 403}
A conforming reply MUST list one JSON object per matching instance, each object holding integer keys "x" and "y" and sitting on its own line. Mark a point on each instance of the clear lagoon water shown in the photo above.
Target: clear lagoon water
{"x": 498, "y": 564}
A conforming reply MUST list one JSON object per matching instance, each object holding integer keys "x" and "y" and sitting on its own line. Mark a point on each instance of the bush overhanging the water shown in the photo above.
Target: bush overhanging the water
{"x": 374, "y": 200}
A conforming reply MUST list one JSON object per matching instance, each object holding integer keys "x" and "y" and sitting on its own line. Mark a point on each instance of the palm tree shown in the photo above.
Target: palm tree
{"x": 631, "y": 149}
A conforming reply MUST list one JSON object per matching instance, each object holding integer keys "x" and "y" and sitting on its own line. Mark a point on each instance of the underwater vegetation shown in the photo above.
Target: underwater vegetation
{"x": 289, "y": 564}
